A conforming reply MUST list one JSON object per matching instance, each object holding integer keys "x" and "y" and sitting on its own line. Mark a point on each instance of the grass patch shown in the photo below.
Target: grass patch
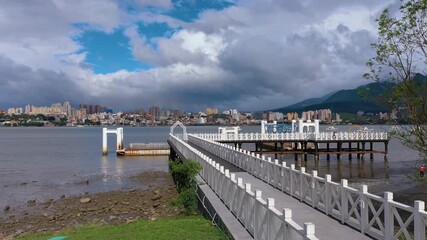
{"x": 188, "y": 227}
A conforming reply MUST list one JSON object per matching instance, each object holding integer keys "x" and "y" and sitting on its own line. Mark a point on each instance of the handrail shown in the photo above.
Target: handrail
{"x": 259, "y": 216}
{"x": 323, "y": 136}
{"x": 373, "y": 215}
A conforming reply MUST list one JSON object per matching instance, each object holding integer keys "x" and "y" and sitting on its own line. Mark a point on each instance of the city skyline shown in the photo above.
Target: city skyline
{"x": 251, "y": 55}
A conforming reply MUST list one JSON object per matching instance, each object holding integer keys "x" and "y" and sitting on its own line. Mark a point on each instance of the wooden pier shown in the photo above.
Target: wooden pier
{"x": 360, "y": 148}
{"x": 360, "y": 144}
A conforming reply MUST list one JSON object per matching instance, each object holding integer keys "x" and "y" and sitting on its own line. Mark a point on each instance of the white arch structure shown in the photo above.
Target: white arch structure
{"x": 184, "y": 130}
{"x": 119, "y": 134}
{"x": 265, "y": 124}
{"x": 305, "y": 125}
{"x": 229, "y": 130}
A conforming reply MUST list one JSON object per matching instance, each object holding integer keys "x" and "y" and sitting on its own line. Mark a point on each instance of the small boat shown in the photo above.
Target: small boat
{"x": 394, "y": 128}
{"x": 365, "y": 129}
{"x": 331, "y": 128}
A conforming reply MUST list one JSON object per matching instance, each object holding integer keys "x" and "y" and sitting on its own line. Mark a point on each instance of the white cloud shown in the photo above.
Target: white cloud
{"x": 255, "y": 55}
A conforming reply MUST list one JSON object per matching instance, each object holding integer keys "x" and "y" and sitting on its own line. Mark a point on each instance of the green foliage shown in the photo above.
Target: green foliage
{"x": 401, "y": 54}
{"x": 184, "y": 174}
{"x": 190, "y": 227}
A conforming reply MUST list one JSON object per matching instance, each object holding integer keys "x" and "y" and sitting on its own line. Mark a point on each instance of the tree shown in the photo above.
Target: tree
{"x": 401, "y": 57}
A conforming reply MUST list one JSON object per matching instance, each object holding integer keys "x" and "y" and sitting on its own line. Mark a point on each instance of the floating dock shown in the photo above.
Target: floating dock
{"x": 145, "y": 149}
{"x": 134, "y": 149}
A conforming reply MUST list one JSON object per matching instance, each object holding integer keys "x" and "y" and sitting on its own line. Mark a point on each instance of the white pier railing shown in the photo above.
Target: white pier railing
{"x": 378, "y": 217}
{"x": 323, "y": 136}
{"x": 258, "y": 216}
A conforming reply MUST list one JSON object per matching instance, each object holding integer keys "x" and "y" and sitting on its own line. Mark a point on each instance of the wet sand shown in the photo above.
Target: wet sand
{"x": 114, "y": 207}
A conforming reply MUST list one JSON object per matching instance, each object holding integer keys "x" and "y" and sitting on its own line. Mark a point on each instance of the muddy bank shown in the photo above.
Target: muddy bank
{"x": 113, "y": 207}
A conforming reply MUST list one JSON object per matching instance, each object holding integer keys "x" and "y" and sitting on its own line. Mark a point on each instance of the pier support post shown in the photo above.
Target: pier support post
{"x": 281, "y": 148}
{"x": 358, "y": 149}
{"x": 316, "y": 151}
{"x": 371, "y": 149}
{"x": 386, "y": 151}
{"x": 296, "y": 149}
{"x": 349, "y": 150}
{"x": 305, "y": 151}
{"x": 275, "y": 149}
{"x": 119, "y": 139}
{"x": 339, "y": 150}
{"x": 363, "y": 150}
{"x": 328, "y": 156}
{"x": 104, "y": 141}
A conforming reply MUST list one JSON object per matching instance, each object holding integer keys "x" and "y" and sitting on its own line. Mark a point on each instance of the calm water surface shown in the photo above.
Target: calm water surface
{"x": 44, "y": 163}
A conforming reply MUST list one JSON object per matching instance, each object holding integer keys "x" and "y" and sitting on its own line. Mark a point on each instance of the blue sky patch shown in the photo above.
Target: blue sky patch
{"x": 155, "y": 30}
{"x": 189, "y": 10}
{"x": 109, "y": 53}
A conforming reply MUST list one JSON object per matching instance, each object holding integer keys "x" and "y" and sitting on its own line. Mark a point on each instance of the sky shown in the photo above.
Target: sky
{"x": 187, "y": 54}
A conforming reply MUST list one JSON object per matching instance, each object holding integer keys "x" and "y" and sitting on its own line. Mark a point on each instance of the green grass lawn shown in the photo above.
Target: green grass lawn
{"x": 190, "y": 227}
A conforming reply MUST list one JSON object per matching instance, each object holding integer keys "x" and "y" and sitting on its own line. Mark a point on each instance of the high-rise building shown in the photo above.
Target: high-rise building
{"x": 92, "y": 109}
{"x": 28, "y": 109}
{"x": 211, "y": 111}
{"x": 154, "y": 111}
{"x": 270, "y": 116}
{"x": 337, "y": 117}
{"x": 66, "y": 109}
{"x": 292, "y": 116}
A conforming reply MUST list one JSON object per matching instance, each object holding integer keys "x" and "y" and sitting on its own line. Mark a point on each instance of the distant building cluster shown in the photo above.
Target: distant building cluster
{"x": 324, "y": 115}
{"x": 65, "y": 114}
{"x": 61, "y": 111}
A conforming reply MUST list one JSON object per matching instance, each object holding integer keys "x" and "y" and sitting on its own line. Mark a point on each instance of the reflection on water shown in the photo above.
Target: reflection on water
{"x": 119, "y": 170}
{"x": 344, "y": 169}
{"x": 47, "y": 162}
{"x": 104, "y": 168}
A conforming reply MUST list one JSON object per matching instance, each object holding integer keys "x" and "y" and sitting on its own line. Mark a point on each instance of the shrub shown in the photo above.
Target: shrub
{"x": 183, "y": 173}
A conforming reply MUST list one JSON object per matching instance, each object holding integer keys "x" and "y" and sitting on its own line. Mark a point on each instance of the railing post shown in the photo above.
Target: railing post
{"x": 276, "y": 173}
{"x": 270, "y": 205}
{"x": 328, "y": 194}
{"x": 419, "y": 224}
{"x": 283, "y": 178}
{"x": 313, "y": 188}
{"x": 309, "y": 230}
{"x": 268, "y": 169}
{"x": 363, "y": 208}
{"x": 291, "y": 177}
{"x": 388, "y": 216}
{"x": 258, "y": 195}
{"x": 286, "y": 216}
{"x": 344, "y": 201}
{"x": 246, "y": 209}
{"x": 301, "y": 183}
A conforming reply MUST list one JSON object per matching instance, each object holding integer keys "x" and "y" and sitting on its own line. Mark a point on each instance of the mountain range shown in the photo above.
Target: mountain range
{"x": 363, "y": 98}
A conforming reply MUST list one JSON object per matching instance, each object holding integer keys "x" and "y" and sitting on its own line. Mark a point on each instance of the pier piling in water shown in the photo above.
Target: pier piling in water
{"x": 119, "y": 137}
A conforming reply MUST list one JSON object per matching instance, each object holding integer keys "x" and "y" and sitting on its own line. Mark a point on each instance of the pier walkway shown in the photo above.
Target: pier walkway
{"x": 274, "y": 201}
{"x": 254, "y": 188}
{"x": 301, "y": 212}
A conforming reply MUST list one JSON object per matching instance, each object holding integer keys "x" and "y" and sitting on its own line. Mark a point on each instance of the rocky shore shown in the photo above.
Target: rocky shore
{"x": 115, "y": 207}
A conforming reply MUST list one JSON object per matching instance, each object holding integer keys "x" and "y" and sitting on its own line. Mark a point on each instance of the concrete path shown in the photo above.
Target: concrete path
{"x": 326, "y": 227}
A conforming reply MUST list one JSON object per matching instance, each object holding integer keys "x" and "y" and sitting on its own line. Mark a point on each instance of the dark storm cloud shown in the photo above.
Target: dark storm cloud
{"x": 254, "y": 55}
{"x": 20, "y": 85}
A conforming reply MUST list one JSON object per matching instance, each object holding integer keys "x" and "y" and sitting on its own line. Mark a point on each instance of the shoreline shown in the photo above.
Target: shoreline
{"x": 112, "y": 207}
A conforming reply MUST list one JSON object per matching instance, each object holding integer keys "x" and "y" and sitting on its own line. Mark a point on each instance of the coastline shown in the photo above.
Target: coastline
{"x": 112, "y": 207}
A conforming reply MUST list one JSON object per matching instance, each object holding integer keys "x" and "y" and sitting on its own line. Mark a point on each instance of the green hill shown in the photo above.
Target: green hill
{"x": 363, "y": 98}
